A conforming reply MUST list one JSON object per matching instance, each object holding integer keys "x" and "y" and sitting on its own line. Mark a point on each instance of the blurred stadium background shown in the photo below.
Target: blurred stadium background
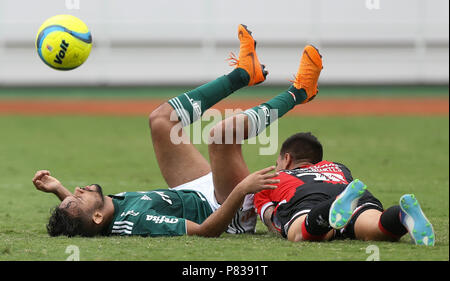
{"x": 384, "y": 59}
{"x": 158, "y": 42}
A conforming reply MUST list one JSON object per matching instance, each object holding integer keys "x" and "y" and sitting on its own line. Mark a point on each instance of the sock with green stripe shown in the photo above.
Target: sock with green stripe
{"x": 191, "y": 105}
{"x": 263, "y": 115}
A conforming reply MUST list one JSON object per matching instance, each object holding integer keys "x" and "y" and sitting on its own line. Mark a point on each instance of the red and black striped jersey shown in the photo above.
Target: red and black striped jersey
{"x": 317, "y": 178}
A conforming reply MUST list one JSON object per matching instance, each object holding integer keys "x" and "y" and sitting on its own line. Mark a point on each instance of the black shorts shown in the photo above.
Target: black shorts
{"x": 308, "y": 196}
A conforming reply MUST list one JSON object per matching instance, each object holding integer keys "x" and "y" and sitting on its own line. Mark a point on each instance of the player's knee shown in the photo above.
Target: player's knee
{"x": 160, "y": 116}
{"x": 225, "y": 132}
{"x": 217, "y": 133}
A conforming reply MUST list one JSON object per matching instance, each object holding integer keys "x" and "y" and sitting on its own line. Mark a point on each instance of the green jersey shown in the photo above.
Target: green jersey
{"x": 161, "y": 212}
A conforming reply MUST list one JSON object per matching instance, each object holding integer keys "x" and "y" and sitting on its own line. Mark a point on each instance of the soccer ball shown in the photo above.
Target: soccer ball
{"x": 63, "y": 42}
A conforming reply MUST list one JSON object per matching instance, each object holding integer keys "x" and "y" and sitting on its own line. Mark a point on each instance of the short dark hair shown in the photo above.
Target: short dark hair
{"x": 61, "y": 222}
{"x": 303, "y": 146}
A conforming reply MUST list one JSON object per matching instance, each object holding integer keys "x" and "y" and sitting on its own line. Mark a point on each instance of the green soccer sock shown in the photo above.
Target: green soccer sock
{"x": 191, "y": 105}
{"x": 263, "y": 115}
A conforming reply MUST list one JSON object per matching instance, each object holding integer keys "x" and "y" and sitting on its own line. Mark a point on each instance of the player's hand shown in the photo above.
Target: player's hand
{"x": 46, "y": 183}
{"x": 260, "y": 180}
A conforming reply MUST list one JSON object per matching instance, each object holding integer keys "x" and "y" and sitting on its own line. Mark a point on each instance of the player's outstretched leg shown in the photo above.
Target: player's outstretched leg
{"x": 228, "y": 165}
{"x": 342, "y": 208}
{"x": 303, "y": 90}
{"x": 181, "y": 162}
{"x": 393, "y": 223}
{"x": 414, "y": 220}
{"x": 249, "y": 71}
{"x": 227, "y": 162}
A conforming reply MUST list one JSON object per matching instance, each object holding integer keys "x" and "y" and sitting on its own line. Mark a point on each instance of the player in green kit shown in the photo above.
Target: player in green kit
{"x": 163, "y": 212}
{"x": 156, "y": 213}
{"x": 200, "y": 200}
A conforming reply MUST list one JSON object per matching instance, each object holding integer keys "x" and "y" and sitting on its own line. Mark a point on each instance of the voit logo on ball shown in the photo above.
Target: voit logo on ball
{"x": 63, "y": 42}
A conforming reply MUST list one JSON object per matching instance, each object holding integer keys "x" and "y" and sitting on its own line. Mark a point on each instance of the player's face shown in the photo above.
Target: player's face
{"x": 86, "y": 199}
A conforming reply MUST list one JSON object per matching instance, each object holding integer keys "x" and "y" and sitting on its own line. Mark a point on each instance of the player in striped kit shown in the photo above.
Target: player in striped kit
{"x": 313, "y": 197}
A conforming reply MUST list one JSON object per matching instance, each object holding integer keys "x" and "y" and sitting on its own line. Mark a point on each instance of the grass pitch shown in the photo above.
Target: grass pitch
{"x": 392, "y": 155}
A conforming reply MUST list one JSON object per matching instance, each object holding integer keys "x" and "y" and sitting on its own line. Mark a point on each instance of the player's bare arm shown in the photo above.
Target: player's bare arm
{"x": 43, "y": 181}
{"x": 217, "y": 223}
{"x": 267, "y": 220}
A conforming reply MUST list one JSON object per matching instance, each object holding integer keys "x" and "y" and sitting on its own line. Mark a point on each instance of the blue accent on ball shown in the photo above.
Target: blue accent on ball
{"x": 46, "y": 31}
{"x": 85, "y": 37}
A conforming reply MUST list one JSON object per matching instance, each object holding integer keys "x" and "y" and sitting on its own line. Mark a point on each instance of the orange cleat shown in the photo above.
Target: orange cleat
{"x": 308, "y": 72}
{"x": 248, "y": 60}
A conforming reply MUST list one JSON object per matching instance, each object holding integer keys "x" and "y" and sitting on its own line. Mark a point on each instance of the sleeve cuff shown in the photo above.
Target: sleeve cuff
{"x": 263, "y": 209}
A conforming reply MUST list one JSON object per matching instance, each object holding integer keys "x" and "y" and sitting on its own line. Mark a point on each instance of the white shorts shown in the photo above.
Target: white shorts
{"x": 205, "y": 186}
{"x": 244, "y": 220}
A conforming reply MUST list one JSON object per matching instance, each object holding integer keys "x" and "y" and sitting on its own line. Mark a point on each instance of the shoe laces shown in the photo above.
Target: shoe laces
{"x": 232, "y": 59}
{"x": 294, "y": 79}
{"x": 305, "y": 77}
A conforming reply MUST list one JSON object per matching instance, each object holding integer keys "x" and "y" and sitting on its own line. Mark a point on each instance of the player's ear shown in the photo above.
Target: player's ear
{"x": 97, "y": 217}
{"x": 287, "y": 160}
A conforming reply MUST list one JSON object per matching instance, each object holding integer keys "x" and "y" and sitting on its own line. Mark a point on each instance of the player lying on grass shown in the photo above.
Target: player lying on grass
{"x": 161, "y": 212}
{"x": 305, "y": 181}
{"x": 316, "y": 200}
{"x": 191, "y": 205}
